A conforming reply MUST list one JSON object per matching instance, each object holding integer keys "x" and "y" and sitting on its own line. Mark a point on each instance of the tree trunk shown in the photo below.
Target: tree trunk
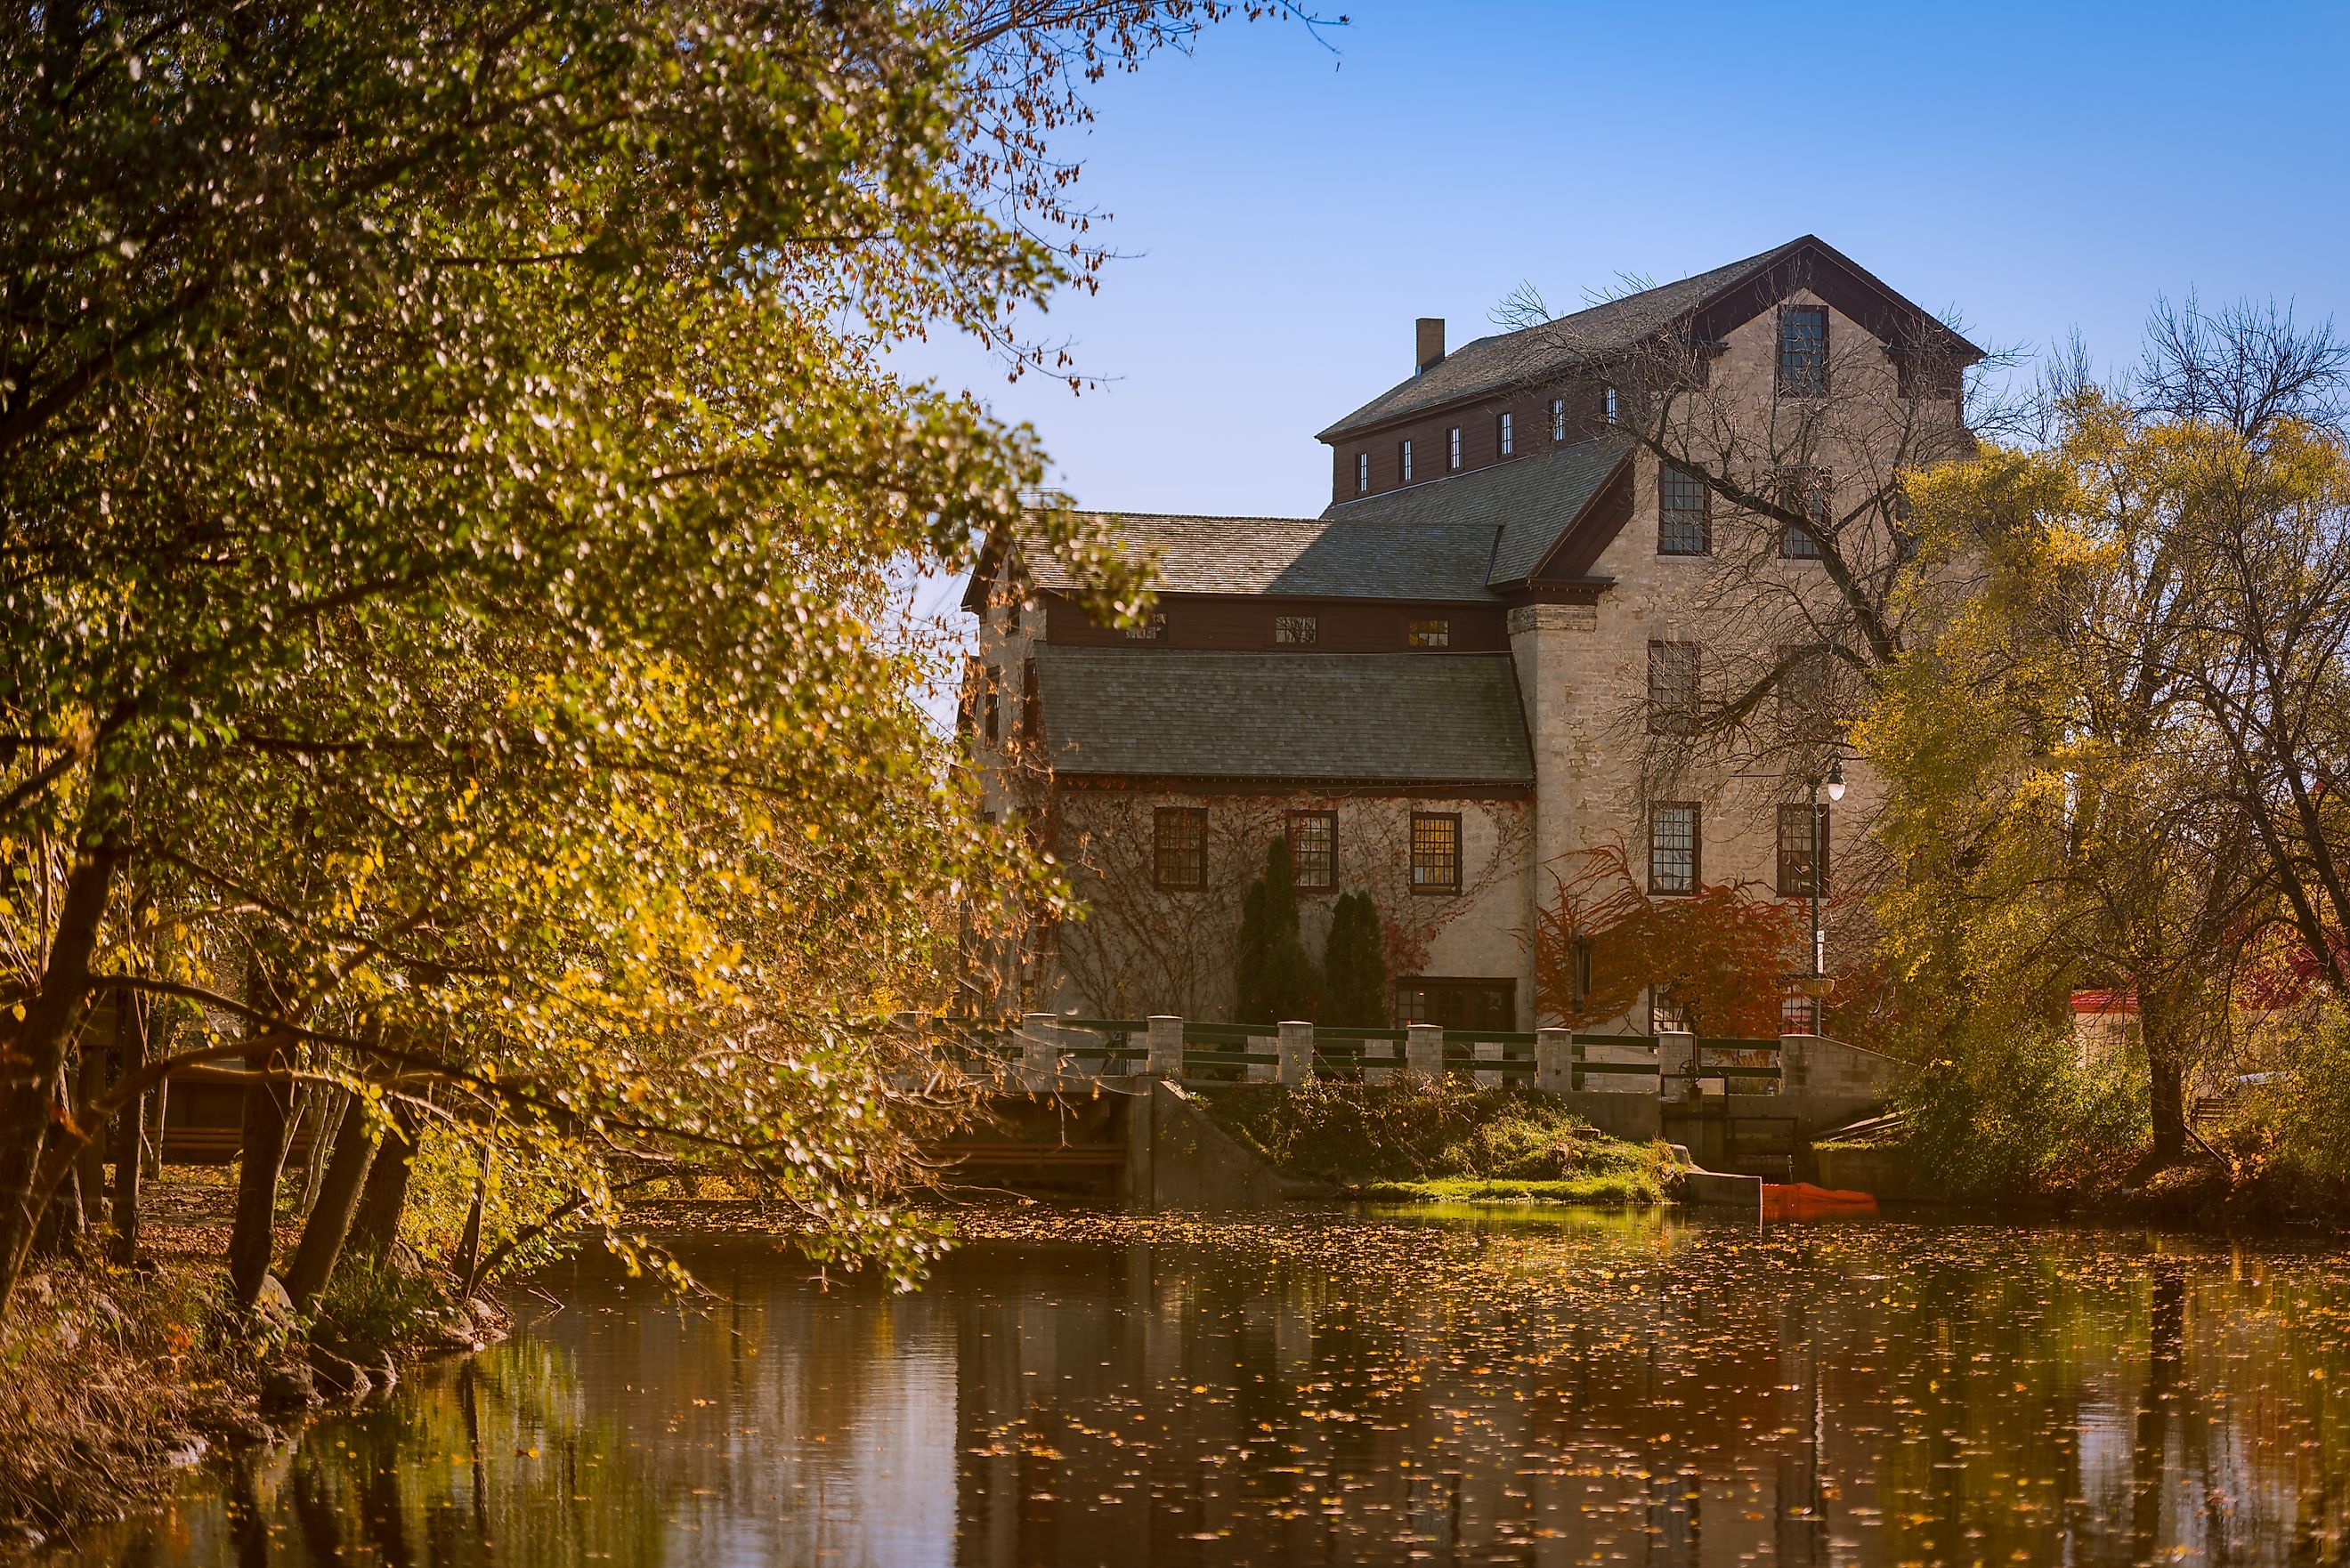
{"x": 468, "y": 1245}
{"x": 158, "y": 1113}
{"x": 129, "y": 1127}
{"x": 31, "y": 1056}
{"x": 325, "y": 1130}
{"x": 262, "y": 1144}
{"x": 376, "y": 1226}
{"x": 90, "y": 1083}
{"x": 60, "y": 1231}
{"x": 329, "y": 1221}
{"x": 2166, "y": 1068}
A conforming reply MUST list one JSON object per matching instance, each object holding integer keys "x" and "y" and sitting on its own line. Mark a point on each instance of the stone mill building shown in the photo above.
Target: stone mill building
{"x": 1474, "y": 664}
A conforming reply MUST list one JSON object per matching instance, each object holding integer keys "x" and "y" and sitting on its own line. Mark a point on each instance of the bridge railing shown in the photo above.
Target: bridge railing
{"x": 1046, "y": 1047}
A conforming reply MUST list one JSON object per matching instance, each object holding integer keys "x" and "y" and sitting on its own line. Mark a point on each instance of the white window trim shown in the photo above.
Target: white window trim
{"x": 1508, "y": 435}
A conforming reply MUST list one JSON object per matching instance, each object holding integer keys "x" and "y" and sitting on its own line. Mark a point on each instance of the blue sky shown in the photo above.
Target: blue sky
{"x": 1285, "y": 211}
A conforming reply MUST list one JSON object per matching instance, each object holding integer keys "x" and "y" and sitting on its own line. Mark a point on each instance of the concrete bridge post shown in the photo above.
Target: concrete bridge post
{"x": 1296, "y": 1051}
{"x": 1676, "y": 1066}
{"x": 1040, "y": 1049}
{"x": 1423, "y": 1050}
{"x": 1166, "y": 1047}
{"x": 1555, "y": 1061}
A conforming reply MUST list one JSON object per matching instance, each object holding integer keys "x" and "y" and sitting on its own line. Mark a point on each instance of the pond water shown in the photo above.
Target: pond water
{"x": 1445, "y": 1387}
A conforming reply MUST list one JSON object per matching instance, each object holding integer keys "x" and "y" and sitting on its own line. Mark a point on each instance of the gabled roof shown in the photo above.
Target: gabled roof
{"x": 1525, "y": 505}
{"x": 1429, "y": 557}
{"x": 1340, "y": 718}
{"x": 1507, "y": 361}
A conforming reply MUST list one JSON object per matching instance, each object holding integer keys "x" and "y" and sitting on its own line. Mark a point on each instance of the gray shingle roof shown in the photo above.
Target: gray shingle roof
{"x": 1505, "y": 360}
{"x": 1391, "y": 718}
{"x": 1529, "y": 501}
{"x": 1424, "y": 556}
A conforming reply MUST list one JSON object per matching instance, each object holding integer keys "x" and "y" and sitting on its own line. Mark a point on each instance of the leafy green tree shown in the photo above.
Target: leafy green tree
{"x": 451, "y": 481}
{"x": 1354, "y": 965}
{"x": 1274, "y": 978}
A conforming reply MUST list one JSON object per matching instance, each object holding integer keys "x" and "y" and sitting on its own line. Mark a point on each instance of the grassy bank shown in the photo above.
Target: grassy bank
{"x": 1409, "y": 1141}
{"x": 110, "y": 1377}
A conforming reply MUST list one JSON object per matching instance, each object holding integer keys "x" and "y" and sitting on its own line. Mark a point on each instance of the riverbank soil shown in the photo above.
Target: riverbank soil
{"x": 110, "y": 1378}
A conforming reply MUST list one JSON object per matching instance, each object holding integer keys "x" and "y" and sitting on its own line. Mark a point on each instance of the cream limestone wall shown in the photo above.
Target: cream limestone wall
{"x": 1584, "y": 670}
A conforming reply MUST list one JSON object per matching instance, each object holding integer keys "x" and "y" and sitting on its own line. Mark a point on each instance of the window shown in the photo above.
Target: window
{"x": 1506, "y": 435}
{"x": 1150, "y": 630}
{"x": 1435, "y": 852}
{"x": 991, "y": 724}
{"x": 1032, "y": 706}
{"x": 1314, "y": 850}
{"x": 1682, "y": 524}
{"x": 1806, "y": 705}
{"x": 1403, "y": 461}
{"x": 1804, "y": 351}
{"x": 1798, "y": 1013}
{"x": 1608, "y": 404}
{"x": 1811, "y": 490}
{"x": 1362, "y": 473}
{"x": 1467, "y": 1005}
{"x": 1795, "y": 850}
{"x": 1668, "y": 1013}
{"x": 1452, "y": 447}
{"x": 1294, "y": 631}
{"x": 1672, "y": 688}
{"x": 1673, "y": 848}
{"x": 1558, "y": 418}
{"x": 1428, "y": 633}
{"x": 1578, "y": 971}
{"x": 1179, "y": 846}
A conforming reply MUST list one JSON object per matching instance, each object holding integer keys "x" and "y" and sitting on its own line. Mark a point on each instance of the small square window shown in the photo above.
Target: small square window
{"x": 1314, "y": 850}
{"x": 1362, "y": 473}
{"x": 1798, "y": 1013}
{"x": 1796, "y": 850}
{"x": 1403, "y": 461}
{"x": 1804, "y": 351}
{"x": 1452, "y": 447}
{"x": 1683, "y": 527}
{"x": 1558, "y": 418}
{"x": 1673, "y": 848}
{"x": 1428, "y": 633}
{"x": 1505, "y": 435}
{"x": 1435, "y": 852}
{"x": 1672, "y": 688}
{"x": 1293, "y": 630}
{"x": 1668, "y": 1013}
{"x": 1179, "y": 846}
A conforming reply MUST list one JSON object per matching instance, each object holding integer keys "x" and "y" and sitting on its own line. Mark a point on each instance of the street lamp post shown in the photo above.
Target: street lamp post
{"x": 1819, "y": 937}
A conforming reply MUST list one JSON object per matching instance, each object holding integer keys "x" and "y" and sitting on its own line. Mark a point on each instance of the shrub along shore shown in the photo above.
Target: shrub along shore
{"x": 1409, "y": 1141}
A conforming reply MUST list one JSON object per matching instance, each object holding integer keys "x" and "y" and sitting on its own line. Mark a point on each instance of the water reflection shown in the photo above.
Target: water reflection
{"x": 1615, "y": 1388}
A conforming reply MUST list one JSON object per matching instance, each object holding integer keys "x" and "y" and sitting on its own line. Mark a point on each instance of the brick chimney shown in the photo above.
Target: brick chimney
{"x": 1428, "y": 344}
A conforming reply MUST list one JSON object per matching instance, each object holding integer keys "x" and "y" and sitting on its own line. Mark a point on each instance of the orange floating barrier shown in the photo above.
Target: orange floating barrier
{"x": 1801, "y": 1200}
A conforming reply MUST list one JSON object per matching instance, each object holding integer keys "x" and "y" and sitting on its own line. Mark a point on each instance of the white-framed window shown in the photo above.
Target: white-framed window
{"x": 1294, "y": 631}
{"x": 1362, "y": 473}
{"x": 1558, "y": 418}
{"x": 1403, "y": 461}
{"x": 1507, "y": 436}
{"x": 1608, "y": 403}
{"x": 1452, "y": 447}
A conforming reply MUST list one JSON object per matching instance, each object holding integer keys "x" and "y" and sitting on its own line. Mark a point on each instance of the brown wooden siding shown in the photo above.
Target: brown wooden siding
{"x": 1238, "y": 621}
